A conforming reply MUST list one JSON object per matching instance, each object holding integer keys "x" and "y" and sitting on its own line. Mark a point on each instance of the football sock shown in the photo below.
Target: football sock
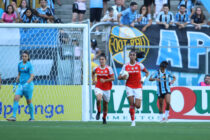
{"x": 99, "y": 106}
{"x": 104, "y": 115}
{"x": 31, "y": 110}
{"x": 15, "y": 108}
{"x": 132, "y": 112}
{"x": 166, "y": 113}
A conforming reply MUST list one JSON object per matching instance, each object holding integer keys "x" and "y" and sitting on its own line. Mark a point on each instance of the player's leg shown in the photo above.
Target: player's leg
{"x": 18, "y": 94}
{"x": 161, "y": 101}
{"x": 99, "y": 94}
{"x": 106, "y": 98}
{"x": 130, "y": 96}
{"x": 138, "y": 97}
{"x": 28, "y": 93}
{"x": 168, "y": 100}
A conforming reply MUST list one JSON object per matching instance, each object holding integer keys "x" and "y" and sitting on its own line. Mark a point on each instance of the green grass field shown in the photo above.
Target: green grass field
{"x": 97, "y": 131}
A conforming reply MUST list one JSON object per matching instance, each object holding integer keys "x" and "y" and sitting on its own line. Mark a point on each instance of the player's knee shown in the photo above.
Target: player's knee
{"x": 28, "y": 102}
{"x": 138, "y": 106}
{"x": 17, "y": 98}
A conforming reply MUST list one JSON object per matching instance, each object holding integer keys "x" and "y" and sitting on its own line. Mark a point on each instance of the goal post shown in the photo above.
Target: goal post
{"x": 61, "y": 53}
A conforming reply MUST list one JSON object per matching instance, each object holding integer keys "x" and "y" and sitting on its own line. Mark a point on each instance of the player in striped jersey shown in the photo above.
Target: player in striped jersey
{"x": 105, "y": 76}
{"x": 163, "y": 77}
{"x": 165, "y": 17}
{"x": 134, "y": 83}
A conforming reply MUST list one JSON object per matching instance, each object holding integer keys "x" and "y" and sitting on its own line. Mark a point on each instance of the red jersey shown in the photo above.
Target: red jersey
{"x": 134, "y": 79}
{"x": 104, "y": 73}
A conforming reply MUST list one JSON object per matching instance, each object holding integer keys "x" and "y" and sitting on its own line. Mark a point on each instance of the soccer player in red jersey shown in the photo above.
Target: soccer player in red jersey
{"x": 105, "y": 76}
{"x": 134, "y": 83}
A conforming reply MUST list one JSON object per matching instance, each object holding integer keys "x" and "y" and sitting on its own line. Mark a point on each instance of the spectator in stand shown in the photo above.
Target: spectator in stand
{"x": 105, "y": 5}
{"x": 96, "y": 7}
{"x": 128, "y": 16}
{"x": 45, "y": 13}
{"x": 78, "y": 9}
{"x": 94, "y": 49}
{"x": 144, "y": 17}
{"x": 110, "y": 16}
{"x": 21, "y": 9}
{"x": 198, "y": 19}
{"x": 9, "y": 15}
{"x": 29, "y": 17}
{"x": 181, "y": 19}
{"x": 189, "y": 6}
{"x": 118, "y": 7}
{"x": 148, "y": 4}
{"x": 50, "y": 4}
{"x": 159, "y": 6}
{"x": 1, "y": 13}
{"x": 206, "y": 81}
{"x": 165, "y": 17}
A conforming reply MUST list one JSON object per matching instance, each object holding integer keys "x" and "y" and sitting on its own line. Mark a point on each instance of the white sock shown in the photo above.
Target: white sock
{"x": 166, "y": 114}
{"x": 161, "y": 116}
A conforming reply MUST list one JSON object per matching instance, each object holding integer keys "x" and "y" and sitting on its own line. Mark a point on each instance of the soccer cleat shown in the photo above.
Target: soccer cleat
{"x": 98, "y": 116}
{"x": 13, "y": 119}
{"x": 104, "y": 121}
{"x": 31, "y": 120}
{"x": 133, "y": 123}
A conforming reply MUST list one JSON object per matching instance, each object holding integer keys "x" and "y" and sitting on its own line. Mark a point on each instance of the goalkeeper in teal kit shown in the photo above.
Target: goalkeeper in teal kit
{"x": 25, "y": 86}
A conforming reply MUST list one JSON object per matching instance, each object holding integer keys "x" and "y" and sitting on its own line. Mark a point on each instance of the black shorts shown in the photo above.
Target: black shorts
{"x": 79, "y": 11}
{"x": 95, "y": 14}
{"x": 105, "y": 0}
{"x": 75, "y": 9}
{"x": 163, "y": 95}
{"x": 149, "y": 2}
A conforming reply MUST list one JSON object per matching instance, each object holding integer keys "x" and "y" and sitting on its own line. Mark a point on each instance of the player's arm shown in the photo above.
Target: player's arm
{"x": 93, "y": 76}
{"x": 146, "y": 75}
{"x": 31, "y": 78}
{"x": 107, "y": 80}
{"x": 153, "y": 77}
{"x": 174, "y": 79}
{"x": 121, "y": 77}
{"x": 18, "y": 77}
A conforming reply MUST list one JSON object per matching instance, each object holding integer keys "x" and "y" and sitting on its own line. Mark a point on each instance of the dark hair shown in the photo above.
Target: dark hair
{"x": 207, "y": 75}
{"x": 132, "y": 51}
{"x": 183, "y": 5}
{"x": 133, "y": 3}
{"x": 164, "y": 64}
{"x": 140, "y": 10}
{"x": 94, "y": 43}
{"x": 110, "y": 9}
{"x": 8, "y": 8}
{"x": 41, "y": 0}
{"x": 21, "y": 4}
{"x": 26, "y": 52}
{"x": 202, "y": 15}
{"x": 166, "y": 5}
{"x": 103, "y": 55}
{"x": 31, "y": 13}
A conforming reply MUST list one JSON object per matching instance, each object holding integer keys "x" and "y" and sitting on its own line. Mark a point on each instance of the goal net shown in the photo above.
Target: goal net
{"x": 59, "y": 55}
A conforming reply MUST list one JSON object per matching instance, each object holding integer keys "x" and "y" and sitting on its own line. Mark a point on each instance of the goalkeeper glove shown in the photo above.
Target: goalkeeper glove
{"x": 14, "y": 87}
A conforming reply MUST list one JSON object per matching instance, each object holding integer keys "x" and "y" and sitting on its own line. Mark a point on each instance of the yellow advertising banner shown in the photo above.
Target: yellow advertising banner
{"x": 51, "y": 102}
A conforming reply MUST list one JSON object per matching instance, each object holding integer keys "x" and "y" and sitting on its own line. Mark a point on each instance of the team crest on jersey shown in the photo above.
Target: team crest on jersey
{"x": 136, "y": 68}
{"x": 121, "y": 37}
{"x": 132, "y": 68}
{"x": 105, "y": 71}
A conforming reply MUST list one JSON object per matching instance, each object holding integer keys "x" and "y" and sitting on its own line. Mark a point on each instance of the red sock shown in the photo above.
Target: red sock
{"x": 132, "y": 112}
{"x": 99, "y": 107}
{"x": 104, "y": 115}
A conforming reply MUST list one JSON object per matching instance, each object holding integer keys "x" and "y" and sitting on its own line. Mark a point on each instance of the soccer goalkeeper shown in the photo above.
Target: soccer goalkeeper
{"x": 25, "y": 86}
